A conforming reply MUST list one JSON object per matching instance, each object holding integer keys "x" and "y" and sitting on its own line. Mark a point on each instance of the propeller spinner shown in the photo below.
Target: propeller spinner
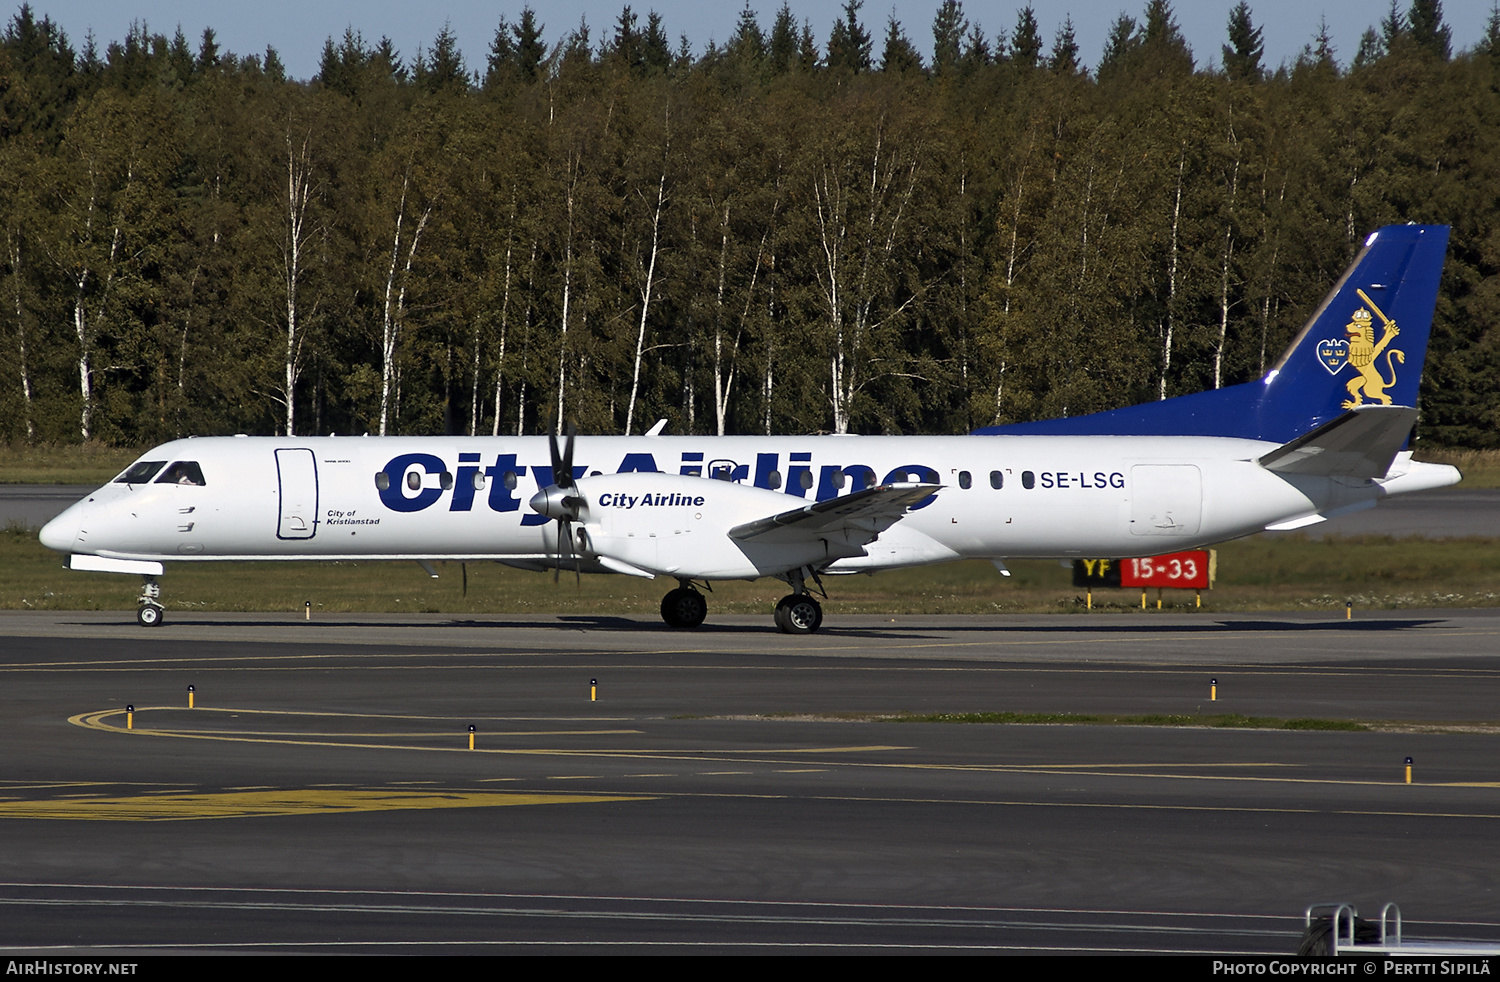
{"x": 560, "y": 499}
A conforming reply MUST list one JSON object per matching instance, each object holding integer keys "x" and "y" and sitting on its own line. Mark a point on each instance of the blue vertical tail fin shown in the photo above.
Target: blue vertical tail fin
{"x": 1364, "y": 345}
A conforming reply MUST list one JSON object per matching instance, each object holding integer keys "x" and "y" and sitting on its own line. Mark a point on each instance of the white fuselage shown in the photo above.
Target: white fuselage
{"x": 466, "y": 497}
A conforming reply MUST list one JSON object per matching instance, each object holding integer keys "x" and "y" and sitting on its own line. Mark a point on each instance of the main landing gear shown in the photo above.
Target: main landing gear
{"x": 684, "y": 606}
{"x": 148, "y": 611}
{"x": 796, "y": 613}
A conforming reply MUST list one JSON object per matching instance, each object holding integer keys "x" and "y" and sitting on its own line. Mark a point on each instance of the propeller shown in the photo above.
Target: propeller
{"x": 560, "y": 500}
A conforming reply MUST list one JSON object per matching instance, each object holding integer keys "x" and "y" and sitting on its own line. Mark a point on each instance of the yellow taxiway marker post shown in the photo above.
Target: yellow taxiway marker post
{"x": 593, "y": 690}
{"x": 1213, "y": 690}
{"x": 130, "y": 717}
{"x": 1349, "y": 610}
{"x": 471, "y": 736}
{"x": 1408, "y": 770}
{"x": 308, "y": 605}
{"x": 190, "y": 697}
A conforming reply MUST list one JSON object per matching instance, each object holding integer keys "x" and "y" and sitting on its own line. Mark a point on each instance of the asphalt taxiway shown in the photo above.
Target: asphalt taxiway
{"x": 729, "y": 790}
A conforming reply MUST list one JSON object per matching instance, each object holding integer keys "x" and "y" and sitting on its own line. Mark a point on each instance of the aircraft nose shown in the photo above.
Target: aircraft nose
{"x": 62, "y": 532}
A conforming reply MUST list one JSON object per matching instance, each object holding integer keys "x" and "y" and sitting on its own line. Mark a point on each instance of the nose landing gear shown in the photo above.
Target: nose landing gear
{"x": 148, "y": 611}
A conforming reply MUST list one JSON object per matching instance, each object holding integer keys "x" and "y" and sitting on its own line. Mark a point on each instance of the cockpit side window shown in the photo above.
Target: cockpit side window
{"x": 183, "y": 472}
{"x": 140, "y": 472}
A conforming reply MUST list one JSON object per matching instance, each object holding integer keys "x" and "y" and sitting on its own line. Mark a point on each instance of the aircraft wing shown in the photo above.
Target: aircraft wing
{"x": 1362, "y": 443}
{"x": 870, "y": 511}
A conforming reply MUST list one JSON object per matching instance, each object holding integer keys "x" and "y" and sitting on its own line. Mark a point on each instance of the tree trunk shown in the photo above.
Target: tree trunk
{"x": 640, "y": 337}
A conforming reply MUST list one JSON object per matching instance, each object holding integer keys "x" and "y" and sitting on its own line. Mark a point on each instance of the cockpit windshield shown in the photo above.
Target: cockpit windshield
{"x": 183, "y": 472}
{"x": 140, "y": 472}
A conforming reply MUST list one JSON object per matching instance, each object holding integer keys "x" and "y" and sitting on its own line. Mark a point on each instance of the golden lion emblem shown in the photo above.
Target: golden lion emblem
{"x": 1363, "y": 351}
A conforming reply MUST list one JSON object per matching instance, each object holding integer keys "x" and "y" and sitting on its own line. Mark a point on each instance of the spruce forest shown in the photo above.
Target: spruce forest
{"x": 855, "y": 232}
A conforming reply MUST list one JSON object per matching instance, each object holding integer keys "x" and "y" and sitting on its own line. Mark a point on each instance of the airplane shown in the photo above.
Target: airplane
{"x": 1324, "y": 432}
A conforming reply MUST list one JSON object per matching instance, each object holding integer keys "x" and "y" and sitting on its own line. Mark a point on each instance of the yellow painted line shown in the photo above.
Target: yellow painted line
{"x": 1138, "y": 770}
{"x": 503, "y": 751}
{"x": 318, "y": 713}
{"x": 258, "y": 804}
{"x": 96, "y": 721}
{"x": 1211, "y": 763}
{"x": 445, "y": 734}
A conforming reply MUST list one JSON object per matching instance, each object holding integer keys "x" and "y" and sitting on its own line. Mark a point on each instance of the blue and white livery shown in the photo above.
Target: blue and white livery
{"x": 1323, "y": 433}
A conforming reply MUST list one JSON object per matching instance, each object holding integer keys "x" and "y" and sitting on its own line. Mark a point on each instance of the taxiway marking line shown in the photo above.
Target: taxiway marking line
{"x": 723, "y": 756}
{"x": 414, "y": 734}
{"x": 331, "y": 714}
{"x": 93, "y": 721}
{"x": 261, "y": 804}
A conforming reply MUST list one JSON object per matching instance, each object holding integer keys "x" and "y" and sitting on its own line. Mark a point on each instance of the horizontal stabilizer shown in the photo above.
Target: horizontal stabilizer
{"x": 1360, "y": 444}
{"x": 872, "y": 510}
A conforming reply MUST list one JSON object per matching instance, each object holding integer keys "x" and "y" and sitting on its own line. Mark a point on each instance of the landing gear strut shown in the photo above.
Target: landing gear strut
{"x": 148, "y": 612}
{"x": 798, "y": 612}
{"x": 684, "y": 606}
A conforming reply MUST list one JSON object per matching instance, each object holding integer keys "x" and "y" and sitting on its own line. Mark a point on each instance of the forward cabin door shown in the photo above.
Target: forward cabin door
{"x": 297, "y": 480}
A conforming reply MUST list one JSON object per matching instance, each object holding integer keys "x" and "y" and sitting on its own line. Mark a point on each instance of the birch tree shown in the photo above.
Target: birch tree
{"x": 102, "y": 194}
{"x": 863, "y": 183}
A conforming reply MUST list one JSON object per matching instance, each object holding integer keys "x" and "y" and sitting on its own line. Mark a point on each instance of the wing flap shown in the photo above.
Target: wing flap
{"x": 1362, "y": 443}
{"x": 870, "y": 511}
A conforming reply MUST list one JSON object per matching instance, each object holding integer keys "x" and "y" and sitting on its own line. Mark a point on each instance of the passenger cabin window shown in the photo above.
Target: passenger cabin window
{"x": 997, "y": 480}
{"x": 382, "y": 481}
{"x": 965, "y": 481}
{"x": 183, "y": 472}
{"x": 141, "y": 471}
{"x": 1028, "y": 480}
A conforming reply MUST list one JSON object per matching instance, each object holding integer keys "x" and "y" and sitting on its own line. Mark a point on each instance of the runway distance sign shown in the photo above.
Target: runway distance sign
{"x": 1192, "y": 570}
{"x": 1178, "y": 570}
